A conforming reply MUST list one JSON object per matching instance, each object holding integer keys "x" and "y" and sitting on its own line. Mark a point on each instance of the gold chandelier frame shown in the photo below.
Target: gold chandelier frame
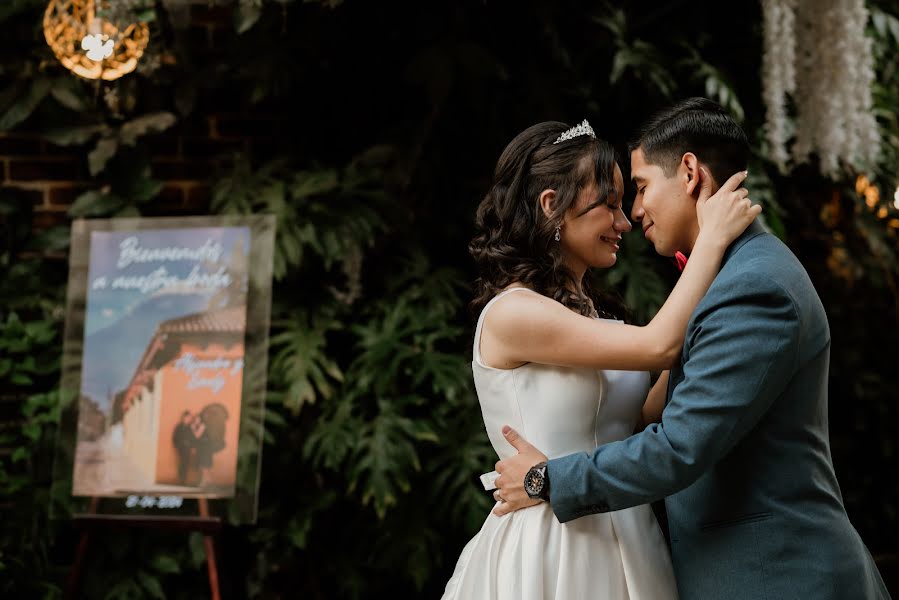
{"x": 67, "y": 22}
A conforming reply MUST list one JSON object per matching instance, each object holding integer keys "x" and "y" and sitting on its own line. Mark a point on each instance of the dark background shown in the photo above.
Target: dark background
{"x": 370, "y": 129}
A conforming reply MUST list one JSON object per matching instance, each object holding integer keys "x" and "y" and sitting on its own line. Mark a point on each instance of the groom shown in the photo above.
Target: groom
{"x": 742, "y": 455}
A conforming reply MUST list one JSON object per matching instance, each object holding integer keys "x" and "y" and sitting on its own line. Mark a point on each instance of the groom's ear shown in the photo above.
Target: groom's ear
{"x": 547, "y": 202}
{"x": 690, "y": 173}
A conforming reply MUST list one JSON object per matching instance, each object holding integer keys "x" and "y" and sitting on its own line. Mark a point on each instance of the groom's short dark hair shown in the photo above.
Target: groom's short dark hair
{"x": 696, "y": 125}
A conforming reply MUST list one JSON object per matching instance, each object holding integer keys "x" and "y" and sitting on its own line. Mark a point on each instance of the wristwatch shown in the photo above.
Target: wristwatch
{"x": 536, "y": 482}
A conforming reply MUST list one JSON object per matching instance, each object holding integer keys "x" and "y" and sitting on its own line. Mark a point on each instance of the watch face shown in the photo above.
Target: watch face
{"x": 533, "y": 482}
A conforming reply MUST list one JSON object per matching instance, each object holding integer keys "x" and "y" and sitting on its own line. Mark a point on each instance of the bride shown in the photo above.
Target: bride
{"x": 554, "y": 210}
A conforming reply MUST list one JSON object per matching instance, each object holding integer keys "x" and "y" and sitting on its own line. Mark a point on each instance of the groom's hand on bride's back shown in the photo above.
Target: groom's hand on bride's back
{"x": 510, "y": 493}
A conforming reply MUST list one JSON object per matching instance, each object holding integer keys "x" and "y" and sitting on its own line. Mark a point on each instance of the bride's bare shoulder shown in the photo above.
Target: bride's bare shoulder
{"x": 523, "y": 307}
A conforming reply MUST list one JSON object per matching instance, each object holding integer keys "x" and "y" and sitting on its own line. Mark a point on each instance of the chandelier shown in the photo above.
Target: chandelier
{"x": 90, "y": 46}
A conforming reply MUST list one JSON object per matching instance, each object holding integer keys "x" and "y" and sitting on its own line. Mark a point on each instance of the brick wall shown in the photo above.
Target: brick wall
{"x": 185, "y": 157}
{"x": 51, "y": 178}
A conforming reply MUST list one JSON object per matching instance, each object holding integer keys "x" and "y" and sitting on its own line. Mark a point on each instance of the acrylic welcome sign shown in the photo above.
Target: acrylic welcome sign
{"x": 164, "y": 365}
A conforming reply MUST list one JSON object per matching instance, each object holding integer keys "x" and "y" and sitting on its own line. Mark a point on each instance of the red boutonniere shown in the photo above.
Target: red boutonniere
{"x": 681, "y": 260}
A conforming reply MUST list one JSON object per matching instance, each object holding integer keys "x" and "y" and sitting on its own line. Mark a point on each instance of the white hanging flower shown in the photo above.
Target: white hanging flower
{"x": 816, "y": 52}
{"x": 864, "y": 126}
{"x": 806, "y": 117}
{"x": 779, "y": 75}
{"x": 830, "y": 82}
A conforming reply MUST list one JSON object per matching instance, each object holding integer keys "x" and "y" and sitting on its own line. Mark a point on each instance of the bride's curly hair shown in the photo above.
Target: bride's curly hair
{"x": 515, "y": 239}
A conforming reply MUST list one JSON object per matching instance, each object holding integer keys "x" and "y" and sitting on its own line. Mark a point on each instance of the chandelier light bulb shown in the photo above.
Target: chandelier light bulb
{"x": 98, "y": 46}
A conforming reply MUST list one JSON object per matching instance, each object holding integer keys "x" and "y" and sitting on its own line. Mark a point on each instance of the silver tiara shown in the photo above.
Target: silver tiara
{"x": 582, "y": 129}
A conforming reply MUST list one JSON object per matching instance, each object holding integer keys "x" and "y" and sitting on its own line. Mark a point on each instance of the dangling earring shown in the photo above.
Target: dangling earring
{"x": 558, "y": 235}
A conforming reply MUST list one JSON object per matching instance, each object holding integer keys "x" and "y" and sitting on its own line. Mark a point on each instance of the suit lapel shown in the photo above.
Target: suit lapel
{"x": 676, "y": 374}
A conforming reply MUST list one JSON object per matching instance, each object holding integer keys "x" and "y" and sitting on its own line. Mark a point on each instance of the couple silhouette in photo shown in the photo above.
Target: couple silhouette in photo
{"x": 197, "y": 437}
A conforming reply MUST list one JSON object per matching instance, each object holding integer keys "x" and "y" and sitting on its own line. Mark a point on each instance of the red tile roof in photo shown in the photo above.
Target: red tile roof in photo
{"x": 232, "y": 319}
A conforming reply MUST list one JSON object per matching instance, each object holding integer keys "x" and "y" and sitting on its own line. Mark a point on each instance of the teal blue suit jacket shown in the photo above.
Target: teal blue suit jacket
{"x": 742, "y": 455}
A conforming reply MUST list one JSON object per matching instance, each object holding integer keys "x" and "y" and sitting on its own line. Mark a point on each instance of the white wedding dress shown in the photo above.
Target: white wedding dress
{"x": 528, "y": 554}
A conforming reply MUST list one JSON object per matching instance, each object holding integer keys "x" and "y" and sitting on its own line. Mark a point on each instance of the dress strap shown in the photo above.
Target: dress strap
{"x": 477, "y": 333}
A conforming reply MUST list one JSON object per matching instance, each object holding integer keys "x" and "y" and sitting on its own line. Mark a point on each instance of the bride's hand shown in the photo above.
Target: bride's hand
{"x": 724, "y": 215}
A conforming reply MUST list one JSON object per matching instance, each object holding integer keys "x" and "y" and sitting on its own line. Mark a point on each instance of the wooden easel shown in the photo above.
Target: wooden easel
{"x": 91, "y": 521}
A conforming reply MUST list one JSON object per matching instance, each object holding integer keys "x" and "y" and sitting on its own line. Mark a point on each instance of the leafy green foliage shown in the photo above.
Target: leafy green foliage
{"x": 635, "y": 279}
{"x": 636, "y": 56}
{"x": 29, "y": 362}
{"x": 715, "y": 83}
{"x": 329, "y": 213}
{"x": 31, "y": 95}
{"x": 110, "y": 137}
{"x": 394, "y": 118}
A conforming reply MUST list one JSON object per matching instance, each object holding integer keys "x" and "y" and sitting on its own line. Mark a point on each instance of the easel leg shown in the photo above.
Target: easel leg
{"x": 213, "y": 570}
{"x": 208, "y": 543}
{"x": 77, "y": 567}
{"x": 78, "y": 564}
